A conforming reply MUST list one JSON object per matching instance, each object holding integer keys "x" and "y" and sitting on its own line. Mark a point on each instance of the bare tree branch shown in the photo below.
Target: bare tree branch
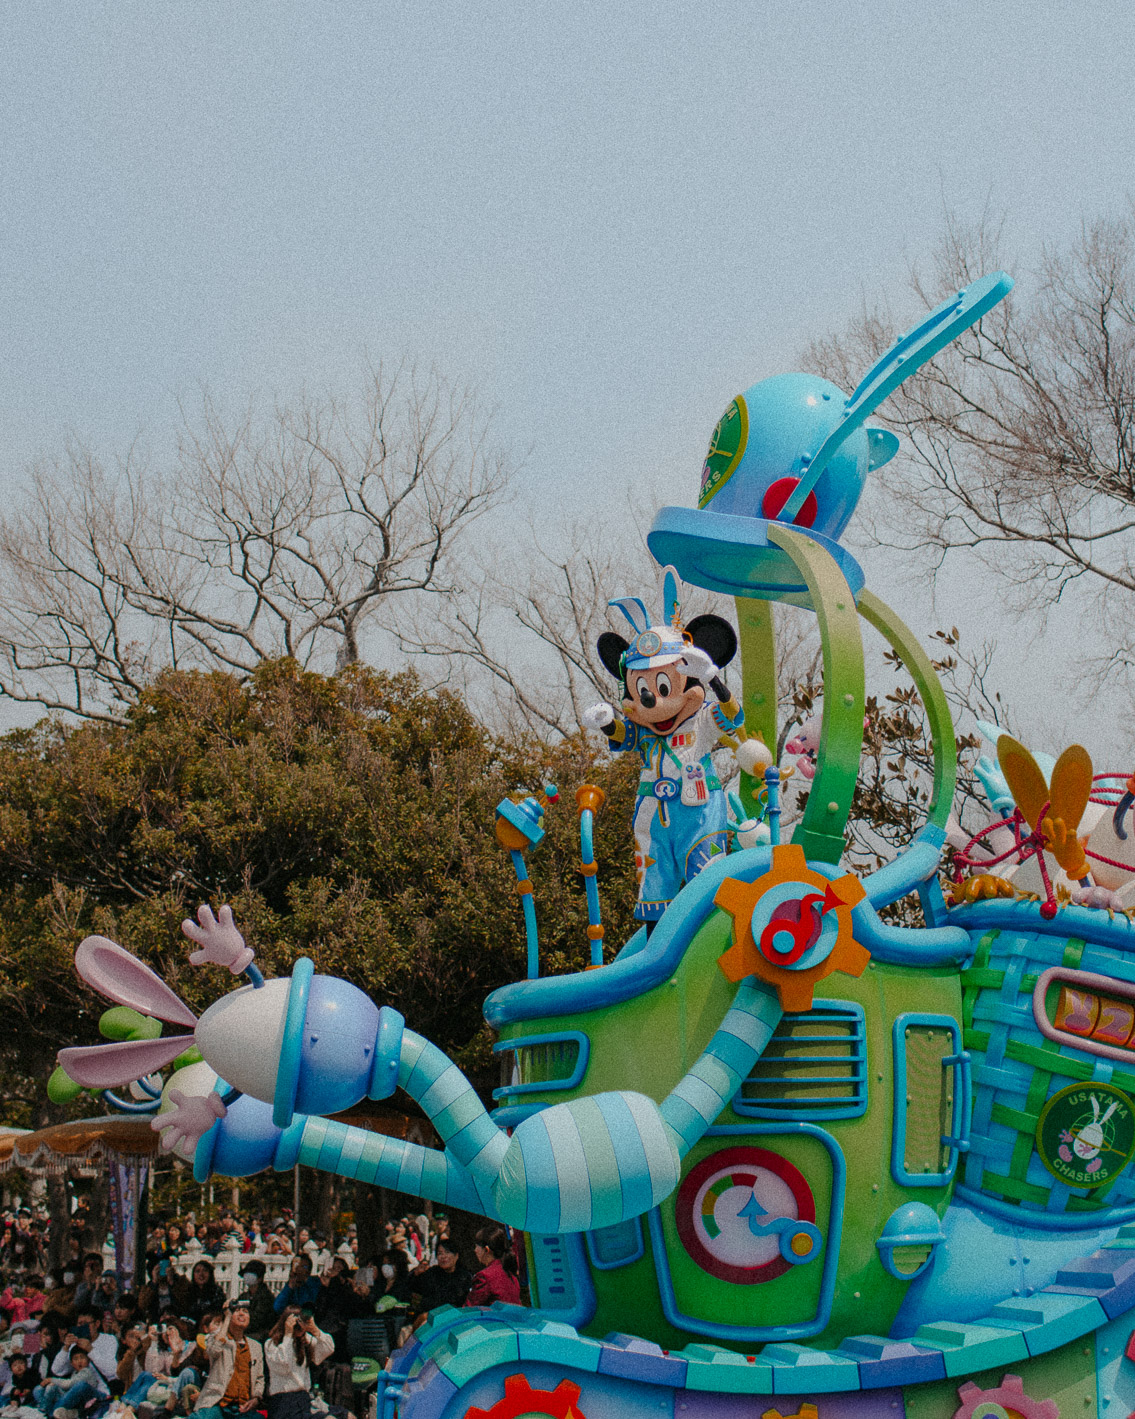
{"x": 285, "y": 534}
{"x": 1019, "y": 439}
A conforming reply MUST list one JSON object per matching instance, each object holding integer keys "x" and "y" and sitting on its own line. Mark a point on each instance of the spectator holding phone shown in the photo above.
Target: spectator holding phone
{"x": 295, "y": 1346}
{"x": 235, "y": 1382}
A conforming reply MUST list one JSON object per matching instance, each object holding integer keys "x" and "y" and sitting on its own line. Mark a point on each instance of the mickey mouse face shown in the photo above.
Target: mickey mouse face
{"x": 662, "y": 698}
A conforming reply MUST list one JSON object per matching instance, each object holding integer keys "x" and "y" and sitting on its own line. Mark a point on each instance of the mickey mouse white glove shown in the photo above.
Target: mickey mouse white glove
{"x": 697, "y": 663}
{"x": 753, "y": 756}
{"x": 598, "y": 716}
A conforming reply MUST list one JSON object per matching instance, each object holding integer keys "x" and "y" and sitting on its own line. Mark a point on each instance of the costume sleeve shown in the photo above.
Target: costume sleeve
{"x": 321, "y": 1346}
{"x": 624, "y": 735}
{"x": 728, "y": 716}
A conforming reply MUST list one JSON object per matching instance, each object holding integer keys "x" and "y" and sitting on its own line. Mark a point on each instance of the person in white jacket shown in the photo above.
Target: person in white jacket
{"x": 294, "y": 1346}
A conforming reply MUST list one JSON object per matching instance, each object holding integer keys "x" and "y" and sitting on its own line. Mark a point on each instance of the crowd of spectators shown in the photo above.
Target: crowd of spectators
{"x": 77, "y": 1346}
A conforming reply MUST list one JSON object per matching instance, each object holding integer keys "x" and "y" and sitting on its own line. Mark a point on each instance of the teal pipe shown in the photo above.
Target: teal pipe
{"x": 589, "y": 1162}
{"x": 587, "y": 856}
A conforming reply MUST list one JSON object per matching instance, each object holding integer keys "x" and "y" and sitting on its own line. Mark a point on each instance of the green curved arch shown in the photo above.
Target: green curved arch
{"x": 758, "y": 680}
{"x": 820, "y": 830}
{"x": 902, "y": 641}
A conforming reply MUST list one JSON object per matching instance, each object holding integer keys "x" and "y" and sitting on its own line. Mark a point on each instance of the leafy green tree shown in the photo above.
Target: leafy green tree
{"x": 349, "y": 818}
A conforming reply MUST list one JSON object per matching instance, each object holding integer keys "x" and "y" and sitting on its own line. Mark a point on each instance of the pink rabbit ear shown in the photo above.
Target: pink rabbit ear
{"x": 107, "y": 1066}
{"x": 121, "y": 977}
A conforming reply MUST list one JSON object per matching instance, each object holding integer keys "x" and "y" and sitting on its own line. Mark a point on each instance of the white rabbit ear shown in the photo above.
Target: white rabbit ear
{"x": 108, "y": 1066}
{"x": 121, "y": 977}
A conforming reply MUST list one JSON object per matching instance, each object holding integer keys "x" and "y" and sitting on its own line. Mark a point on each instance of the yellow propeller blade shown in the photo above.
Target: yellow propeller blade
{"x": 1023, "y": 775}
{"x": 1072, "y": 785}
{"x": 1071, "y": 788}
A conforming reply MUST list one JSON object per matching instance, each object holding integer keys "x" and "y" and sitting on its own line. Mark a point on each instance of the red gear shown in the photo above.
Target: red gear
{"x": 520, "y": 1401}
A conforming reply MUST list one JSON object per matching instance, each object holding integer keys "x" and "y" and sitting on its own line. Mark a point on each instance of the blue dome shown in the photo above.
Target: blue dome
{"x": 759, "y": 447}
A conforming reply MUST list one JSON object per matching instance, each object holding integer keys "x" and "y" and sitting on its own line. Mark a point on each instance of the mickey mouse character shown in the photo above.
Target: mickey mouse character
{"x": 681, "y": 821}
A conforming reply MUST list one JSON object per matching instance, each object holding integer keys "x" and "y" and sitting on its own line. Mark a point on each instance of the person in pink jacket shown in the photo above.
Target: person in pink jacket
{"x": 499, "y": 1277}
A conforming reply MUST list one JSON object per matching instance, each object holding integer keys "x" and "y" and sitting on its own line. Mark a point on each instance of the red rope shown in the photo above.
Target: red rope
{"x": 1110, "y": 861}
{"x": 1035, "y": 843}
{"x": 1024, "y": 848}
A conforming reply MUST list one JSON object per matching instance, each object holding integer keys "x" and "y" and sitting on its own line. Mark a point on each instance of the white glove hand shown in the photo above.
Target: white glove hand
{"x": 750, "y": 833}
{"x": 598, "y": 716}
{"x": 753, "y": 757}
{"x": 697, "y": 664}
{"x": 221, "y": 943}
{"x": 189, "y": 1120}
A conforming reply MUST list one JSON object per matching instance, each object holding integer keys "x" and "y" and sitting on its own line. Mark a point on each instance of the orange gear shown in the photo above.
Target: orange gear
{"x": 819, "y": 897}
{"x": 521, "y": 1401}
{"x": 806, "y": 1411}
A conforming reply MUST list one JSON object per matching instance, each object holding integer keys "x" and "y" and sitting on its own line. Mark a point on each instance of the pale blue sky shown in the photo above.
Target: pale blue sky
{"x": 611, "y": 217}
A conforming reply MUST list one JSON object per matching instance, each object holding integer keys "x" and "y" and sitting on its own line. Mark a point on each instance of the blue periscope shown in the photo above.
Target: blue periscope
{"x": 588, "y": 1163}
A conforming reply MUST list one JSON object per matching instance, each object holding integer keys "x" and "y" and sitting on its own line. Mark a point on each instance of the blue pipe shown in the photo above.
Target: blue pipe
{"x": 772, "y": 792}
{"x": 530, "y": 931}
{"x": 587, "y": 855}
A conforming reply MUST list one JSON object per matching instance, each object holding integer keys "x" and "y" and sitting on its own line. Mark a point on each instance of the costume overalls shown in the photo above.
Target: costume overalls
{"x": 680, "y": 819}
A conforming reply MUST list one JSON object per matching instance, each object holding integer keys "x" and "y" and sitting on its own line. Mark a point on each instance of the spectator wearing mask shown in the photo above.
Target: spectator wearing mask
{"x": 499, "y": 1277}
{"x": 261, "y": 1302}
{"x": 394, "y": 1286}
{"x": 235, "y": 1382}
{"x": 295, "y": 1346}
{"x": 446, "y": 1283}
{"x": 302, "y": 1288}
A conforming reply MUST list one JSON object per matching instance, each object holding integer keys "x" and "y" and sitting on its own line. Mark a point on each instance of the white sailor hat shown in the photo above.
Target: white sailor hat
{"x": 656, "y": 646}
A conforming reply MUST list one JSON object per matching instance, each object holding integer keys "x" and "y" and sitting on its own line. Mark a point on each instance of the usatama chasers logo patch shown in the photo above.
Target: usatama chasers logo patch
{"x": 1086, "y": 1134}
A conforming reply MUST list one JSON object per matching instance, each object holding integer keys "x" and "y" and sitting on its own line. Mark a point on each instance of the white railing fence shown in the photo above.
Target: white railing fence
{"x": 227, "y": 1267}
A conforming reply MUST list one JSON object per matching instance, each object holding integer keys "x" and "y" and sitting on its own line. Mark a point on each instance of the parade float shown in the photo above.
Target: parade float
{"x": 780, "y": 1156}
